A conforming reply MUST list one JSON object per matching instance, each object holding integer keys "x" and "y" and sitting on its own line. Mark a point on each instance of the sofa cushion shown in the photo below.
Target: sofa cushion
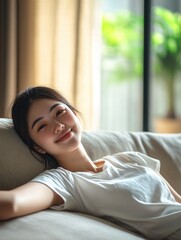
{"x": 64, "y": 225}
{"x": 18, "y": 166}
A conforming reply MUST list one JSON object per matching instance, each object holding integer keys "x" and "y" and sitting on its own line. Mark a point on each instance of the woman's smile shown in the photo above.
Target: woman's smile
{"x": 64, "y": 136}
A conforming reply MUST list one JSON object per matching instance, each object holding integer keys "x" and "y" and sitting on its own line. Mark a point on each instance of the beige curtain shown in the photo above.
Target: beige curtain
{"x": 56, "y": 46}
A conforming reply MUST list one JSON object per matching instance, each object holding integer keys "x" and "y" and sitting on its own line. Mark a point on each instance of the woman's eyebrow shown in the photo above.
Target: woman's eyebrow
{"x": 38, "y": 119}
{"x": 53, "y": 106}
{"x": 35, "y": 122}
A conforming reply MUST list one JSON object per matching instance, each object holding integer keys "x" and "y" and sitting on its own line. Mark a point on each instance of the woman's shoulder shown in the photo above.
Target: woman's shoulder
{"x": 133, "y": 157}
{"x": 52, "y": 174}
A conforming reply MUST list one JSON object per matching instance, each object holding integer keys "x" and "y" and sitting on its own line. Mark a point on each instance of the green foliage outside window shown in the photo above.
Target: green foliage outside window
{"x": 122, "y": 34}
{"x": 122, "y": 39}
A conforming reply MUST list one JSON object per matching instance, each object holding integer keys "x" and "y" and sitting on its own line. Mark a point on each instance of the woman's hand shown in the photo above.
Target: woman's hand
{"x": 6, "y": 205}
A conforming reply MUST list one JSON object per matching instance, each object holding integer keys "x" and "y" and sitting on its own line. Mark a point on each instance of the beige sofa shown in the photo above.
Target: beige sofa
{"x": 18, "y": 166}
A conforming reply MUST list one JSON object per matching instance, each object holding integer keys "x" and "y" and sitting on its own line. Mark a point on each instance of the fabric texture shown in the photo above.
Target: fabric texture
{"x": 128, "y": 190}
{"x": 54, "y": 225}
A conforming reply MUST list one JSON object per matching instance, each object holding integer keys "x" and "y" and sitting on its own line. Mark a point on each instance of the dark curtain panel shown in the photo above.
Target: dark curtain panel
{"x": 8, "y": 48}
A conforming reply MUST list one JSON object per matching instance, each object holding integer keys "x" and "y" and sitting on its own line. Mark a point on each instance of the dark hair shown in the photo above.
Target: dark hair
{"x": 19, "y": 113}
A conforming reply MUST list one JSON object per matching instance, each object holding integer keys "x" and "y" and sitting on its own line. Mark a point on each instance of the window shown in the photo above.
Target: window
{"x": 121, "y": 75}
{"x": 122, "y": 64}
{"x": 166, "y": 66}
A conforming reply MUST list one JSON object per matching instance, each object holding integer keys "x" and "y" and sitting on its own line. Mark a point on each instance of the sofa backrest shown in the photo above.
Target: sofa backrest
{"x": 18, "y": 165}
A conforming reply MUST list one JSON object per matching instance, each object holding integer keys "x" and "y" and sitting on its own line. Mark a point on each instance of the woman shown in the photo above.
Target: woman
{"x": 125, "y": 187}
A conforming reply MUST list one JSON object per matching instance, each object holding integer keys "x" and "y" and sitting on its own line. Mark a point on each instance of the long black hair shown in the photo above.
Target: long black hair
{"x": 19, "y": 114}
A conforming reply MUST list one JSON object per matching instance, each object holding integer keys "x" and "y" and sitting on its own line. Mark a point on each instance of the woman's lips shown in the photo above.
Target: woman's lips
{"x": 64, "y": 137}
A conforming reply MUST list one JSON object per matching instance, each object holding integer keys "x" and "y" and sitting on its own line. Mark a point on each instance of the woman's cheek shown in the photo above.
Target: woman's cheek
{"x": 44, "y": 138}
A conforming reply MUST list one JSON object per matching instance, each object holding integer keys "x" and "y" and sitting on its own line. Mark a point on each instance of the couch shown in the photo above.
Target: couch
{"x": 18, "y": 166}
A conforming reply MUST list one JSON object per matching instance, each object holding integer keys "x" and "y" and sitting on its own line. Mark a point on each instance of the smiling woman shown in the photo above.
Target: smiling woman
{"x": 79, "y": 184}
{"x": 50, "y": 123}
{"x": 20, "y": 112}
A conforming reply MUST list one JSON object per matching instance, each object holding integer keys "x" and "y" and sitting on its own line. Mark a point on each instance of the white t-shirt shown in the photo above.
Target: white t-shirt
{"x": 128, "y": 190}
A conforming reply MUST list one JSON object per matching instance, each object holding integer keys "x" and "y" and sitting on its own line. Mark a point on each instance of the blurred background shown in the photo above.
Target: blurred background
{"x": 118, "y": 62}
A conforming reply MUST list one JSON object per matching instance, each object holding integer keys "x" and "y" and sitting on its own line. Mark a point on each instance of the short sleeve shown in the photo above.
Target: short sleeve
{"x": 60, "y": 181}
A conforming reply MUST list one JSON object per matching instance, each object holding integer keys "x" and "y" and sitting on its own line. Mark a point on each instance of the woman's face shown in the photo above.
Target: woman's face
{"x": 54, "y": 127}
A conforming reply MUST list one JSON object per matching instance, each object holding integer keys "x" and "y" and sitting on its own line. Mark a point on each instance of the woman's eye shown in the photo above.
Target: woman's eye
{"x": 59, "y": 112}
{"x": 41, "y": 127}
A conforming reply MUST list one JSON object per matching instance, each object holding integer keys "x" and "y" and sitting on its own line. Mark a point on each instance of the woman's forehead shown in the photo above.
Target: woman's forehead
{"x": 44, "y": 103}
{"x": 43, "y": 106}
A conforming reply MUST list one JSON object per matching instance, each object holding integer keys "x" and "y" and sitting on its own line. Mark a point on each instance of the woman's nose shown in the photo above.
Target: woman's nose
{"x": 59, "y": 127}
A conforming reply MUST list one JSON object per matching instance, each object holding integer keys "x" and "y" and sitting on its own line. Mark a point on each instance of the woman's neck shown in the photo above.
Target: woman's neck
{"x": 77, "y": 161}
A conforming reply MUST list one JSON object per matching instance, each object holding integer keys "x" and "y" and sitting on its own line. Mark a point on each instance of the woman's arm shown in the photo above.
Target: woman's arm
{"x": 29, "y": 198}
{"x": 174, "y": 193}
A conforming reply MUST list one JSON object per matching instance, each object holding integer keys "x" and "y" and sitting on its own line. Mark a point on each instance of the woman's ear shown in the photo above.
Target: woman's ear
{"x": 39, "y": 150}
